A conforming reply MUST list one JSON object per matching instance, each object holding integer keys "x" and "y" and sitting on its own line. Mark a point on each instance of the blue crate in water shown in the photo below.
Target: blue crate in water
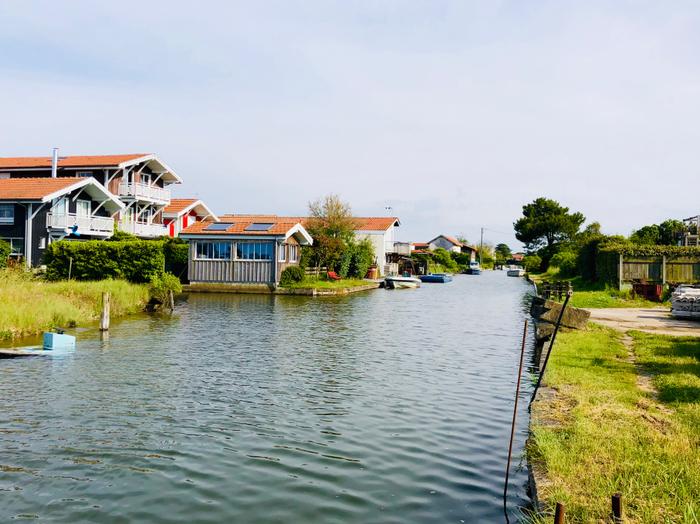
{"x": 59, "y": 342}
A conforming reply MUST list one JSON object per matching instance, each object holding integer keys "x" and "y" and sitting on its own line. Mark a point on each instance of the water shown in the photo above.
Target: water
{"x": 387, "y": 406}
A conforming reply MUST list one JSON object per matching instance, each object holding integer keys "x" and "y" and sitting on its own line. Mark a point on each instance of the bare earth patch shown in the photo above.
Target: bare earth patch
{"x": 648, "y": 320}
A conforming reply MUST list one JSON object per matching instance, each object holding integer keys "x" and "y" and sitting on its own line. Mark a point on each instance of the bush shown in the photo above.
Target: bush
{"x": 136, "y": 261}
{"x": 566, "y": 262}
{"x": 177, "y": 253}
{"x": 362, "y": 258}
{"x": 122, "y": 236}
{"x": 5, "y": 250}
{"x": 291, "y": 275}
{"x": 532, "y": 263}
{"x": 162, "y": 285}
{"x": 442, "y": 256}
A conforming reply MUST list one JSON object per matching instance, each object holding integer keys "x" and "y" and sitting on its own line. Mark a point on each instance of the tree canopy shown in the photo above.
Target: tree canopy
{"x": 331, "y": 217}
{"x": 546, "y": 223}
{"x": 503, "y": 251}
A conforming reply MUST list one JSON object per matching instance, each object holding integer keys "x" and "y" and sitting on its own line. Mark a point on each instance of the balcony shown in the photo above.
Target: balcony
{"x": 87, "y": 225}
{"x": 400, "y": 248}
{"x": 139, "y": 191}
{"x": 141, "y": 229}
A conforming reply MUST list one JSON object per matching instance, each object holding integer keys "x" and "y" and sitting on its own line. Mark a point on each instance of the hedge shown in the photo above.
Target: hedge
{"x": 5, "y": 250}
{"x": 136, "y": 261}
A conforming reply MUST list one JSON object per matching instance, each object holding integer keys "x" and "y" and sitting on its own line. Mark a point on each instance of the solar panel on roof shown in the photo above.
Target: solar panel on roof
{"x": 259, "y": 226}
{"x": 219, "y": 226}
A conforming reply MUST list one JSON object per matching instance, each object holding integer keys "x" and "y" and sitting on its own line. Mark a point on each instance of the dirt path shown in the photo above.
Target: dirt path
{"x": 649, "y": 320}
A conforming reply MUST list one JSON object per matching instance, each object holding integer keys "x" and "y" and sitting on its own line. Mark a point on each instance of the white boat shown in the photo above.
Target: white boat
{"x": 515, "y": 271}
{"x": 401, "y": 282}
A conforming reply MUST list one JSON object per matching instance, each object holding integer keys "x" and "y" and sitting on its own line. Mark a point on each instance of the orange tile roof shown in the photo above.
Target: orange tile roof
{"x": 420, "y": 244}
{"x": 454, "y": 241}
{"x": 33, "y": 188}
{"x": 178, "y": 205}
{"x": 361, "y": 223}
{"x": 239, "y": 223}
{"x": 68, "y": 161}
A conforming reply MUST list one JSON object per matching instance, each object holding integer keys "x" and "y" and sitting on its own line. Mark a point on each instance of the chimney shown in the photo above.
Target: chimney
{"x": 54, "y": 163}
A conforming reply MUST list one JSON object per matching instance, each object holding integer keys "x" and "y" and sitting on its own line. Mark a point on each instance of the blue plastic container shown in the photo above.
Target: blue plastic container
{"x": 59, "y": 342}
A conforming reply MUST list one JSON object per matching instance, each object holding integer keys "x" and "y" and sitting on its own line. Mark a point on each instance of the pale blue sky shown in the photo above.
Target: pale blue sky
{"x": 453, "y": 113}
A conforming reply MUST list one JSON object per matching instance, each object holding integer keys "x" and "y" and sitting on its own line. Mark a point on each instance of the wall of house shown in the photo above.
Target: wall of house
{"x": 281, "y": 266}
{"x": 444, "y": 244}
{"x": 378, "y": 239}
{"x": 15, "y": 230}
{"x": 230, "y": 271}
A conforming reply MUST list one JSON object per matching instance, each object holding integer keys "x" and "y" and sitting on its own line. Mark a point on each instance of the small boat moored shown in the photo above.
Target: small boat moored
{"x": 473, "y": 269}
{"x": 515, "y": 271}
{"x": 398, "y": 282}
{"x": 436, "y": 278}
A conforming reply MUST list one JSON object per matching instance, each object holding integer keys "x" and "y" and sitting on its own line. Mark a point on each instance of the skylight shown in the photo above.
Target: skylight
{"x": 259, "y": 226}
{"x": 219, "y": 226}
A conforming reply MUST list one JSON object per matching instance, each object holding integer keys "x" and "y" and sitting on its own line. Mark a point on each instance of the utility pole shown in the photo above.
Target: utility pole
{"x": 481, "y": 245}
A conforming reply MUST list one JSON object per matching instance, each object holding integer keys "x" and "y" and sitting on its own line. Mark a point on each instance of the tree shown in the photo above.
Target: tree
{"x": 503, "y": 252}
{"x": 546, "y": 223}
{"x": 331, "y": 217}
{"x": 672, "y": 232}
{"x": 647, "y": 235}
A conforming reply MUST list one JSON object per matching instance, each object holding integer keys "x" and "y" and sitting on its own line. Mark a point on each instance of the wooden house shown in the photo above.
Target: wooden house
{"x": 37, "y": 211}
{"x": 243, "y": 249}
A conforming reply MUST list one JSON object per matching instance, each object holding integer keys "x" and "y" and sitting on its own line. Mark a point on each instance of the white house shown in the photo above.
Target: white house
{"x": 381, "y": 231}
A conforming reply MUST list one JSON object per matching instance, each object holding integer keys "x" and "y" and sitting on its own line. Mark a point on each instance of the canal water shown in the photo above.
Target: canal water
{"x": 385, "y": 406}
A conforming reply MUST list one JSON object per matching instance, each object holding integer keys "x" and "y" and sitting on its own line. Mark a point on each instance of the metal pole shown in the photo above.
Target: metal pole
{"x": 559, "y": 514}
{"x": 515, "y": 413}
{"x": 551, "y": 344}
{"x": 617, "y": 507}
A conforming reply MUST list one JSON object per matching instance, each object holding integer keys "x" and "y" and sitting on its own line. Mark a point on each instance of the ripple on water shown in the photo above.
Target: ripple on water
{"x": 379, "y": 407}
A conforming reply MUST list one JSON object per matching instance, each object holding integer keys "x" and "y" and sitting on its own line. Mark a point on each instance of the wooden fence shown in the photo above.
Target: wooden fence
{"x": 658, "y": 270}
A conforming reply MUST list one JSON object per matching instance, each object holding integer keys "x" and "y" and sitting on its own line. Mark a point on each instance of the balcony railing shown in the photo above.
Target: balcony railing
{"x": 90, "y": 225}
{"x": 141, "y": 229}
{"x": 400, "y": 248}
{"x": 144, "y": 192}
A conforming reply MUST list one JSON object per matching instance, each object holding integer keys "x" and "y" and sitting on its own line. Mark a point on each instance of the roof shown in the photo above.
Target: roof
{"x": 181, "y": 206}
{"x": 452, "y": 240}
{"x": 46, "y": 189}
{"x": 280, "y": 226}
{"x": 419, "y": 245}
{"x": 361, "y": 223}
{"x": 89, "y": 161}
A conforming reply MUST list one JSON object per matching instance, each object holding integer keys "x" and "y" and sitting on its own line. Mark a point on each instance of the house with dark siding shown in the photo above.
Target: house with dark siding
{"x": 34, "y": 212}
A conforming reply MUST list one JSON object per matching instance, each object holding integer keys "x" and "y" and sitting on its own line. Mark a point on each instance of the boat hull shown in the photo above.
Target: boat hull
{"x": 516, "y": 272}
{"x": 401, "y": 282}
{"x": 438, "y": 278}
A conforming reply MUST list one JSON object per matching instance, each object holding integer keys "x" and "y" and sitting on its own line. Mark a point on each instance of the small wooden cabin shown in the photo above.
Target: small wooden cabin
{"x": 243, "y": 249}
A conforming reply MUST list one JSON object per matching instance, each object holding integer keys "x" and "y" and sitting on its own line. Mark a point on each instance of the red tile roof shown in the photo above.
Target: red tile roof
{"x": 454, "y": 241}
{"x": 239, "y": 223}
{"x": 68, "y": 161}
{"x": 34, "y": 188}
{"x": 420, "y": 245}
{"x": 177, "y": 205}
{"x": 361, "y": 223}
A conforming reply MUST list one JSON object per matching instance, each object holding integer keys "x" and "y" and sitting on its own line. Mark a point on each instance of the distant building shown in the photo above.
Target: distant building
{"x": 183, "y": 212}
{"x": 692, "y": 238}
{"x": 446, "y": 242}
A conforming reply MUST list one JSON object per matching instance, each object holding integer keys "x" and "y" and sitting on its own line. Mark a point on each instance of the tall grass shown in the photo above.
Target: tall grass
{"x": 29, "y": 305}
{"x": 606, "y": 431}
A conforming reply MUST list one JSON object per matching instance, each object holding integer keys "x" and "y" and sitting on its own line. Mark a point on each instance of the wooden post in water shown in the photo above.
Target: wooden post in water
{"x": 70, "y": 267}
{"x": 559, "y": 514}
{"x": 617, "y": 507}
{"x": 171, "y": 300}
{"x": 104, "y": 318}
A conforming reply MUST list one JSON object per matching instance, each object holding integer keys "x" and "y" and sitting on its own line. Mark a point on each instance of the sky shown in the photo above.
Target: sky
{"x": 451, "y": 114}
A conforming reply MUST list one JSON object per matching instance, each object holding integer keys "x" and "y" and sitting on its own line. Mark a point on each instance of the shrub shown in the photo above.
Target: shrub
{"x": 177, "y": 253}
{"x": 5, "y": 250}
{"x": 566, "y": 262}
{"x": 362, "y": 258}
{"x": 343, "y": 267}
{"x": 442, "y": 256}
{"x": 162, "y": 285}
{"x": 532, "y": 263}
{"x": 122, "y": 236}
{"x": 135, "y": 261}
{"x": 291, "y": 275}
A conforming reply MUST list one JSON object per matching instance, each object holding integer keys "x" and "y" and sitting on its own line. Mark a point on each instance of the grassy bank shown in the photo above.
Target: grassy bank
{"x": 29, "y": 306}
{"x": 606, "y": 430}
{"x": 595, "y": 295}
{"x": 311, "y": 282}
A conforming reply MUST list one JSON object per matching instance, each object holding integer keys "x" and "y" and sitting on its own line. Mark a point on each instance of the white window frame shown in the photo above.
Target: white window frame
{"x": 8, "y": 220}
{"x": 282, "y": 256}
{"x": 83, "y": 174}
{"x": 293, "y": 253}
{"x": 63, "y": 203}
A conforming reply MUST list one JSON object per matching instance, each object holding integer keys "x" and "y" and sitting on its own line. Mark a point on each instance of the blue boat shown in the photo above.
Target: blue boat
{"x": 436, "y": 278}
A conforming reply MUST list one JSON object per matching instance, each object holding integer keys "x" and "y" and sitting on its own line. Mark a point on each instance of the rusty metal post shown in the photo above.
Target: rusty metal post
{"x": 559, "y": 514}
{"x": 515, "y": 414}
{"x": 617, "y": 507}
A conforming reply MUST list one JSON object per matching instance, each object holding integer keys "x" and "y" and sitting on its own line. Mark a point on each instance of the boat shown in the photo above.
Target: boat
{"x": 397, "y": 282}
{"x": 515, "y": 271}
{"x": 473, "y": 269}
{"x": 436, "y": 278}
{"x": 54, "y": 344}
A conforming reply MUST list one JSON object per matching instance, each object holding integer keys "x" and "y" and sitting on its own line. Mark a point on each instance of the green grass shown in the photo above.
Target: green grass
{"x": 323, "y": 283}
{"x": 596, "y": 295}
{"x": 29, "y": 305}
{"x": 604, "y": 434}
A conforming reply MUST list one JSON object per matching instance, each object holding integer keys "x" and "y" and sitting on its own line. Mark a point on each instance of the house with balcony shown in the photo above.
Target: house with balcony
{"x": 34, "y": 212}
{"x": 141, "y": 181}
{"x": 183, "y": 212}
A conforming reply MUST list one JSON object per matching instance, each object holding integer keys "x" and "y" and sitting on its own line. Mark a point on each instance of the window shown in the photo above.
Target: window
{"x": 281, "y": 255}
{"x": 60, "y": 207}
{"x": 213, "y": 251}
{"x": 4, "y": 176}
{"x": 42, "y": 243}
{"x": 84, "y": 209}
{"x": 254, "y": 250}
{"x": 84, "y": 174}
{"x": 293, "y": 253}
{"x": 7, "y": 214}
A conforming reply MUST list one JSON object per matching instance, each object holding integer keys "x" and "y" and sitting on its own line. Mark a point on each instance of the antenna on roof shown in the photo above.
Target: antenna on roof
{"x": 389, "y": 209}
{"x": 54, "y": 163}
